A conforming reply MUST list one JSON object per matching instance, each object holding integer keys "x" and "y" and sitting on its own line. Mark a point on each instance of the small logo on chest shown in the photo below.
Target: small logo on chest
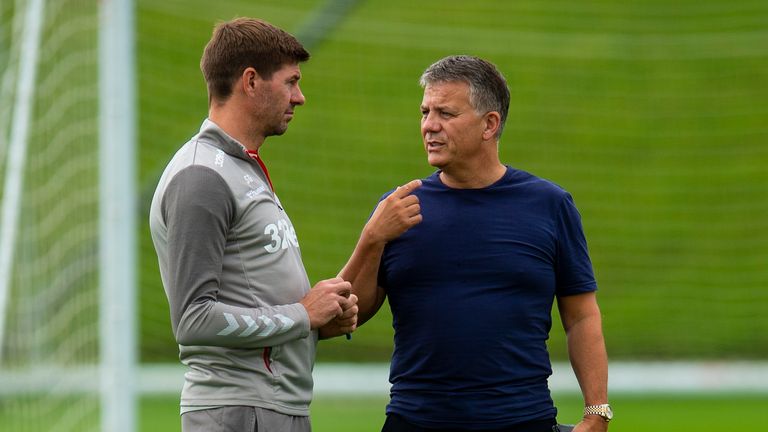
{"x": 253, "y": 193}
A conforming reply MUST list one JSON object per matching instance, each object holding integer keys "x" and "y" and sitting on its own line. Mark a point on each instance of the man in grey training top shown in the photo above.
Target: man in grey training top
{"x": 242, "y": 310}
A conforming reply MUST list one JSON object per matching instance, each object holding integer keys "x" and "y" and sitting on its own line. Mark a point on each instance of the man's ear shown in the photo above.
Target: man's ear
{"x": 249, "y": 81}
{"x": 492, "y": 121}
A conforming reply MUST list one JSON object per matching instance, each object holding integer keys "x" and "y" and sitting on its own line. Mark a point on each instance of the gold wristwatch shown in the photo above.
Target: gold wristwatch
{"x": 603, "y": 410}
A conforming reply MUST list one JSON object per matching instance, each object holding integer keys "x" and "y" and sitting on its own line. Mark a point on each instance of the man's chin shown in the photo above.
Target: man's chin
{"x": 277, "y": 131}
{"x": 435, "y": 162}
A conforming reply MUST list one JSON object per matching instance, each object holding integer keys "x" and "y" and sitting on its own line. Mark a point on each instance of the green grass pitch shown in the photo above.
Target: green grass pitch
{"x": 634, "y": 413}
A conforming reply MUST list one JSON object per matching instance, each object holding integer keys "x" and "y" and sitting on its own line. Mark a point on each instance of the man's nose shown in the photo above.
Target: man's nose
{"x": 297, "y": 97}
{"x": 430, "y": 123}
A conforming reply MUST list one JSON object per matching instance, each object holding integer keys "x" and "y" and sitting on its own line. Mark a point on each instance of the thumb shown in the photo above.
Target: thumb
{"x": 343, "y": 288}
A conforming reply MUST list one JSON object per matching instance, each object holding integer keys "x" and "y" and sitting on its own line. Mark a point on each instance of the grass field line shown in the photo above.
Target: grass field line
{"x": 703, "y": 377}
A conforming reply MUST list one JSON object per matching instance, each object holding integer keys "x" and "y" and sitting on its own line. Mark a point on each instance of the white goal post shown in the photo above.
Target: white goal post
{"x": 17, "y": 149}
{"x": 117, "y": 199}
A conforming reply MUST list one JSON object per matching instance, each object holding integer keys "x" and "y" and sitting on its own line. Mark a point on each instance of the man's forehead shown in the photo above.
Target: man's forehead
{"x": 444, "y": 92}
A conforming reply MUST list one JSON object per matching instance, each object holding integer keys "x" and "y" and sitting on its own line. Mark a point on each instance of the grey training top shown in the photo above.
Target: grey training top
{"x": 232, "y": 271}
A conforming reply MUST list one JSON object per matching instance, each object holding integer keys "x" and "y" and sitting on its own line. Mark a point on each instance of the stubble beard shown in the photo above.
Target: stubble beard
{"x": 278, "y": 126}
{"x": 277, "y": 130}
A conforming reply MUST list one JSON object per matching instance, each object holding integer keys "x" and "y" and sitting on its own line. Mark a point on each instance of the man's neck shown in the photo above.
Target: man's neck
{"x": 236, "y": 124}
{"x": 478, "y": 172}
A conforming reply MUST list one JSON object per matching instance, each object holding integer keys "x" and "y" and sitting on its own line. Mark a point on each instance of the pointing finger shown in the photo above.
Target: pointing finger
{"x": 407, "y": 188}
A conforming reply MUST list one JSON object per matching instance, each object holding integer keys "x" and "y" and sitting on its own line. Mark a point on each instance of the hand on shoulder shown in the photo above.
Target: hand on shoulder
{"x": 395, "y": 214}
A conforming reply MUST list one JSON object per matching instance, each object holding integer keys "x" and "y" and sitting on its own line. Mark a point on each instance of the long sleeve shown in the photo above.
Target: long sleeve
{"x": 198, "y": 209}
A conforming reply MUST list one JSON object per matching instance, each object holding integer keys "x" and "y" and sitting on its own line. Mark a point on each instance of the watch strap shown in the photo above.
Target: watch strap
{"x": 603, "y": 410}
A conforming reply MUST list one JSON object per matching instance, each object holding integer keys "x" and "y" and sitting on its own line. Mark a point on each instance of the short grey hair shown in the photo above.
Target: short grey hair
{"x": 488, "y": 89}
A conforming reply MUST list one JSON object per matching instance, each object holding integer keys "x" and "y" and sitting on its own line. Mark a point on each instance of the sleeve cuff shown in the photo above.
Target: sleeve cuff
{"x": 302, "y": 319}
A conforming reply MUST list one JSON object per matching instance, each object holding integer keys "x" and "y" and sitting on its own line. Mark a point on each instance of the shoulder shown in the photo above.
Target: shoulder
{"x": 195, "y": 193}
{"x": 184, "y": 175}
{"x": 208, "y": 157}
{"x": 197, "y": 185}
{"x": 197, "y": 177}
{"x": 532, "y": 189}
{"x": 537, "y": 184}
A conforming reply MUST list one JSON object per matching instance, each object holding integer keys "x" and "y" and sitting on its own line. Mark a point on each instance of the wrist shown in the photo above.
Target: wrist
{"x": 601, "y": 412}
{"x": 371, "y": 238}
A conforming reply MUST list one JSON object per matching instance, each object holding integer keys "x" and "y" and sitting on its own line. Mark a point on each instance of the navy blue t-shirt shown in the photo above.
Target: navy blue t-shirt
{"x": 471, "y": 291}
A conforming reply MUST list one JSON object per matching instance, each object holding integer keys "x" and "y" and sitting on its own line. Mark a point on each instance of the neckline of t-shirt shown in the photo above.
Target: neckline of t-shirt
{"x": 502, "y": 179}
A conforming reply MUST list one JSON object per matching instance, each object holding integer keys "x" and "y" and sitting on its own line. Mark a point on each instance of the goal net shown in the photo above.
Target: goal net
{"x": 52, "y": 310}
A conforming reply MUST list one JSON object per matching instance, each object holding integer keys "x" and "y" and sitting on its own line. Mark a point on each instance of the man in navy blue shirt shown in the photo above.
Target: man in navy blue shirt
{"x": 485, "y": 250}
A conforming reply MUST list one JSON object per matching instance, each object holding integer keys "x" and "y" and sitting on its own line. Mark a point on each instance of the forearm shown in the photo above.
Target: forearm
{"x": 586, "y": 349}
{"x": 393, "y": 216}
{"x": 214, "y": 323}
{"x": 362, "y": 272}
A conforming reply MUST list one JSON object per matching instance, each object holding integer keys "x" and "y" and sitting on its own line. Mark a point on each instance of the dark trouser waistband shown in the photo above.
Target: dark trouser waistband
{"x": 396, "y": 423}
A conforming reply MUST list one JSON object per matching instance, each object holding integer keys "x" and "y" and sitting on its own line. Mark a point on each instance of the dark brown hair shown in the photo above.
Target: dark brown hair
{"x": 242, "y": 43}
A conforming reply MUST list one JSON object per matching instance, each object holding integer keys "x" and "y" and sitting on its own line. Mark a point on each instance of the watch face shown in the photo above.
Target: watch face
{"x": 608, "y": 412}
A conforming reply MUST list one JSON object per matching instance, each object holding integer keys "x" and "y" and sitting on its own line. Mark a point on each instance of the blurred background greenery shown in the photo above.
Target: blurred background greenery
{"x": 652, "y": 114}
